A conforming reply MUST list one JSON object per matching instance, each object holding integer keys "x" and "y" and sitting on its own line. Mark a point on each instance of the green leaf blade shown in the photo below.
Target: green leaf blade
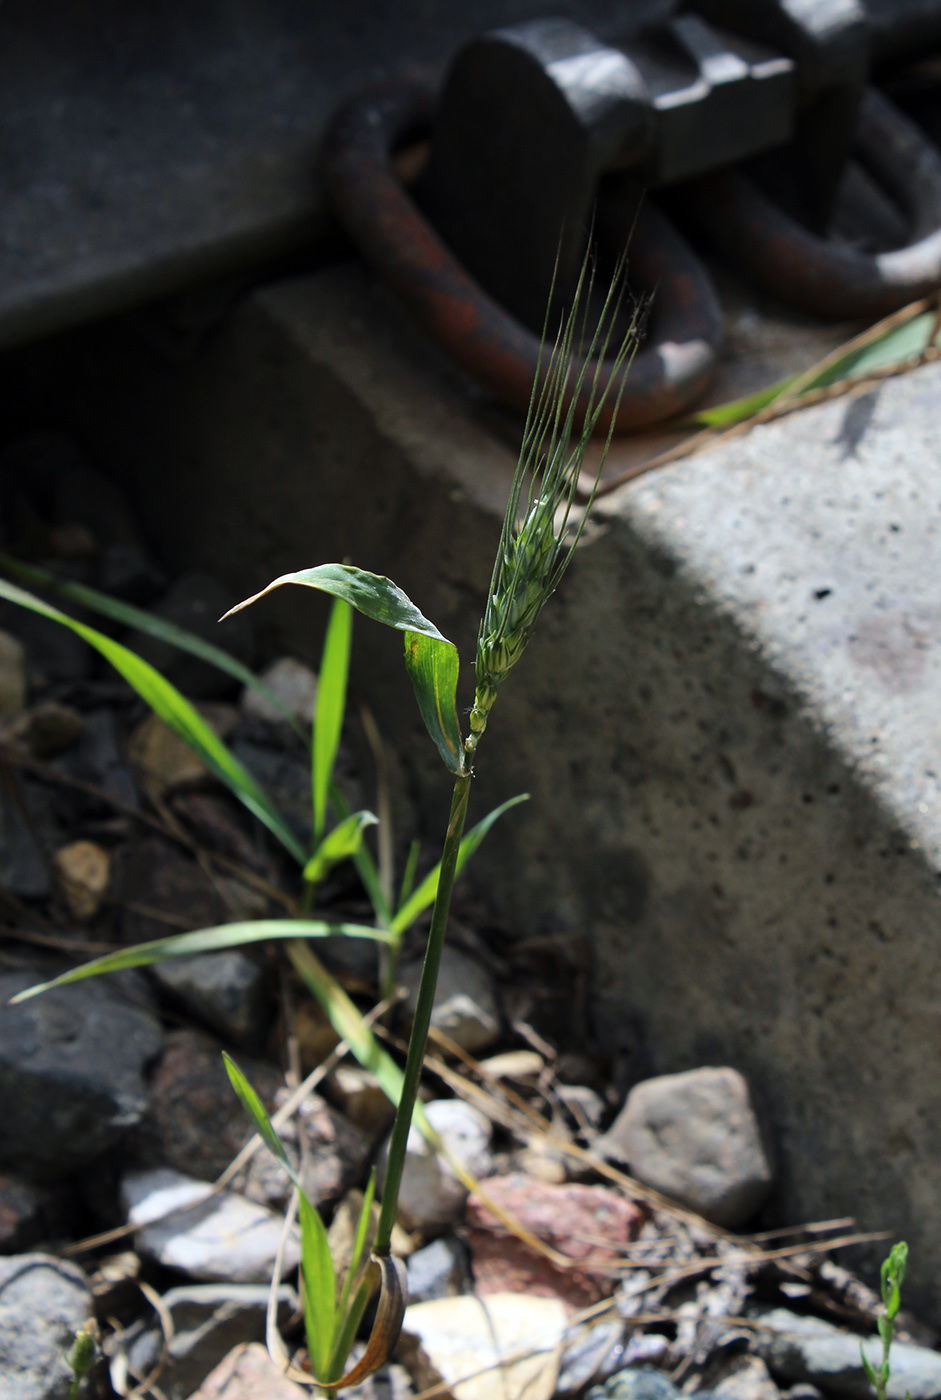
{"x": 331, "y": 707}
{"x": 255, "y": 1109}
{"x": 320, "y": 1288}
{"x": 433, "y": 668}
{"x": 176, "y": 712}
{"x": 373, "y": 595}
{"x": 342, "y": 843}
{"x": 205, "y": 940}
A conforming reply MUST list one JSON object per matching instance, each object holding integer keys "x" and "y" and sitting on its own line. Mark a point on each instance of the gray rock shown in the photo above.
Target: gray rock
{"x": 71, "y": 1073}
{"x": 333, "y": 1158}
{"x": 599, "y": 1351}
{"x": 213, "y": 1236}
{"x": 294, "y": 684}
{"x": 800, "y": 1349}
{"x": 695, "y": 1138}
{"x": 98, "y": 758}
{"x": 440, "y": 1270}
{"x": 209, "y": 1319}
{"x": 644, "y": 1383}
{"x": 588, "y": 1355}
{"x": 196, "y": 602}
{"x": 465, "y": 1001}
{"x": 430, "y": 1197}
{"x": 228, "y": 990}
{"x": 43, "y": 1304}
{"x": 744, "y": 1378}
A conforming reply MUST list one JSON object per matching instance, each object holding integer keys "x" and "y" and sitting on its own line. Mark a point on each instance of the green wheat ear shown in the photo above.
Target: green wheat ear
{"x": 539, "y": 534}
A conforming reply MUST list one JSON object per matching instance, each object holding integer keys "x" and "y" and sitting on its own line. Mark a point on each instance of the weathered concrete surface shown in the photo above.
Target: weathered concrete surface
{"x": 727, "y": 718}
{"x": 145, "y": 146}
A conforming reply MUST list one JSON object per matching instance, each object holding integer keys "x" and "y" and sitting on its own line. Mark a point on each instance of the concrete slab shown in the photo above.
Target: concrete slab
{"x": 727, "y": 718}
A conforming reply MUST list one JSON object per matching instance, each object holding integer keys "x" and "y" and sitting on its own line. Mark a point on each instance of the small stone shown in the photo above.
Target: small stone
{"x": 440, "y": 1270}
{"x": 248, "y": 1373}
{"x": 538, "y": 1160}
{"x": 228, "y": 990}
{"x": 342, "y": 1232}
{"x": 586, "y": 1223}
{"x": 356, "y": 1093}
{"x": 44, "y": 1302}
{"x": 465, "y": 1001}
{"x": 744, "y": 1378}
{"x": 585, "y": 1106}
{"x": 162, "y": 761}
{"x": 294, "y": 684}
{"x": 209, "y": 1319}
{"x": 799, "y": 1349}
{"x": 695, "y": 1138}
{"x": 216, "y": 1236}
{"x": 197, "y": 602}
{"x": 334, "y": 1157}
{"x": 589, "y": 1352}
{"x": 13, "y": 685}
{"x": 452, "y": 1338}
{"x": 67, "y": 1095}
{"x": 599, "y": 1350}
{"x": 45, "y": 729}
{"x": 524, "y": 1065}
{"x": 98, "y": 757}
{"x": 430, "y": 1197}
{"x": 29, "y": 1213}
{"x": 644, "y": 1383}
{"x": 83, "y": 870}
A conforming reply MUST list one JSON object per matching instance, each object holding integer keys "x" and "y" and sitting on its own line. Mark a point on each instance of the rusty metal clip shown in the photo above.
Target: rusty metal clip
{"x": 827, "y": 278}
{"x": 672, "y": 368}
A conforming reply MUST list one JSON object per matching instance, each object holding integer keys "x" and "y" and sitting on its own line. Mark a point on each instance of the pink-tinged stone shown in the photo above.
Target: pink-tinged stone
{"x": 248, "y": 1373}
{"x": 588, "y": 1224}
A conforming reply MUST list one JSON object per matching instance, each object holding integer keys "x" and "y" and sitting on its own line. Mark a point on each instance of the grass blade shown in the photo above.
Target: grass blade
{"x": 349, "y": 1324}
{"x": 331, "y": 707}
{"x": 340, "y": 844}
{"x": 422, "y": 898}
{"x": 255, "y": 1109}
{"x": 153, "y": 625}
{"x": 175, "y": 711}
{"x": 320, "y": 1288}
{"x": 205, "y": 940}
